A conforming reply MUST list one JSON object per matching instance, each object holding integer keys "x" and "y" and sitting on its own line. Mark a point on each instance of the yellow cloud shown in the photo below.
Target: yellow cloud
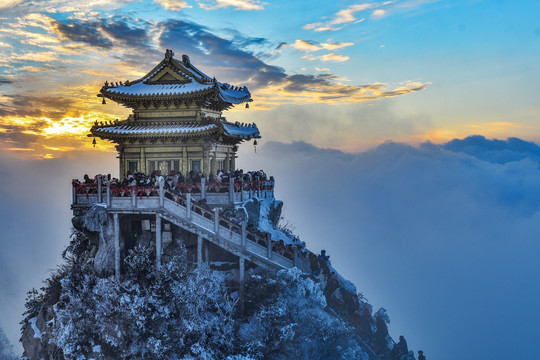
{"x": 310, "y": 46}
{"x": 321, "y": 90}
{"x": 327, "y": 58}
{"x": 174, "y": 5}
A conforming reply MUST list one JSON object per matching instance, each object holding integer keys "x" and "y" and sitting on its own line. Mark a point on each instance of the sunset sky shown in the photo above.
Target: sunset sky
{"x": 345, "y": 75}
{"x": 374, "y": 91}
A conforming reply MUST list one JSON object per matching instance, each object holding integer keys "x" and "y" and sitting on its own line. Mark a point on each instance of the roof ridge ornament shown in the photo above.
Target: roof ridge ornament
{"x": 185, "y": 59}
{"x": 169, "y": 54}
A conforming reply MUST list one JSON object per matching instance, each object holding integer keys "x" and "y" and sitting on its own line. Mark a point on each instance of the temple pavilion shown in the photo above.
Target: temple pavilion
{"x": 176, "y": 121}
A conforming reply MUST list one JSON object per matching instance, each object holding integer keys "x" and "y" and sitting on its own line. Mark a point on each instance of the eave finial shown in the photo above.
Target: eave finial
{"x": 185, "y": 59}
{"x": 169, "y": 54}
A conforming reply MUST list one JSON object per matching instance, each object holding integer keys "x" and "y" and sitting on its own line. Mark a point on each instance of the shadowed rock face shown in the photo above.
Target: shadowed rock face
{"x": 99, "y": 229}
{"x": 253, "y": 208}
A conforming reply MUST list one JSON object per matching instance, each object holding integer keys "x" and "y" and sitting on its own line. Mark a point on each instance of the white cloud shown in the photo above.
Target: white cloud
{"x": 346, "y": 16}
{"x": 236, "y": 4}
{"x": 9, "y": 3}
{"x": 378, "y": 13}
{"x": 434, "y": 235}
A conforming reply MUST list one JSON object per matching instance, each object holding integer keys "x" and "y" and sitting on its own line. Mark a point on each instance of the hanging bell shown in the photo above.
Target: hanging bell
{"x": 103, "y": 101}
{"x": 94, "y": 142}
{"x": 255, "y": 145}
{"x": 247, "y": 105}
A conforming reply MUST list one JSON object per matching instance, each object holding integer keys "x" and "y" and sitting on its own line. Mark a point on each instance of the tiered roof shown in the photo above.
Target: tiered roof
{"x": 174, "y": 83}
{"x": 130, "y": 130}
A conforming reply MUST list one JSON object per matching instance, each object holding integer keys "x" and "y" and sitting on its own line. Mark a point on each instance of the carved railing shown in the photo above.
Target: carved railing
{"x": 182, "y": 205}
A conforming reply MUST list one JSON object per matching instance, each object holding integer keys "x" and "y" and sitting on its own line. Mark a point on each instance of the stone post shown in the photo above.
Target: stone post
{"x": 73, "y": 192}
{"x": 188, "y": 205}
{"x": 241, "y": 276}
{"x": 108, "y": 194}
{"x": 199, "y": 251}
{"x": 133, "y": 197}
{"x": 158, "y": 242}
{"x": 206, "y": 255}
{"x": 99, "y": 190}
{"x": 161, "y": 194}
{"x": 116, "y": 246}
{"x": 203, "y": 188}
{"x": 268, "y": 246}
{"x": 244, "y": 234}
{"x": 231, "y": 190}
{"x": 241, "y": 263}
{"x": 216, "y": 221}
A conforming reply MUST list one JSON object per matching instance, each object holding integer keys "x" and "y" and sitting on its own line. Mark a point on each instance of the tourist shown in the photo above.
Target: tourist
{"x": 402, "y": 348}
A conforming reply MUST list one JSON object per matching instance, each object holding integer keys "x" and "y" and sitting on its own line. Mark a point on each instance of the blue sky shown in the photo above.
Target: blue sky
{"x": 372, "y": 88}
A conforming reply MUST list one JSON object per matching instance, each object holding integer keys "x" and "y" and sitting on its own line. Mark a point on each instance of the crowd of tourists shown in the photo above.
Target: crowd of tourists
{"x": 176, "y": 182}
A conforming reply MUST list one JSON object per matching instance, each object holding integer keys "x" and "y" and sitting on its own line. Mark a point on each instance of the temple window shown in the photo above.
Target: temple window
{"x": 196, "y": 165}
{"x": 133, "y": 166}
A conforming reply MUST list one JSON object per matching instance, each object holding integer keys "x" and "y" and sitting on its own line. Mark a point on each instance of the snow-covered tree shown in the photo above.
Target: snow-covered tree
{"x": 288, "y": 319}
{"x": 6, "y": 349}
{"x": 175, "y": 314}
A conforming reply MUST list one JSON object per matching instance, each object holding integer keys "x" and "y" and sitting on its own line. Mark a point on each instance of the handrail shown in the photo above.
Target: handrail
{"x": 279, "y": 248}
{"x": 180, "y": 200}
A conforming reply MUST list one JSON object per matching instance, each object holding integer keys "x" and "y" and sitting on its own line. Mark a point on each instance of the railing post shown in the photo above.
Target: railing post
{"x": 99, "y": 194}
{"x": 242, "y": 190}
{"x": 116, "y": 246}
{"x": 108, "y": 194}
{"x": 188, "y": 205}
{"x": 216, "y": 220}
{"x": 244, "y": 234}
{"x": 199, "y": 251}
{"x": 268, "y": 246}
{"x": 133, "y": 197}
{"x": 158, "y": 242}
{"x": 206, "y": 254}
{"x": 161, "y": 194}
{"x": 241, "y": 268}
{"x": 74, "y": 192}
{"x": 231, "y": 190}
{"x": 203, "y": 188}
{"x": 241, "y": 264}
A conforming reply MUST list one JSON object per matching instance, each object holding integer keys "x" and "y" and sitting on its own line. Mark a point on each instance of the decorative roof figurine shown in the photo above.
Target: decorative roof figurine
{"x": 176, "y": 122}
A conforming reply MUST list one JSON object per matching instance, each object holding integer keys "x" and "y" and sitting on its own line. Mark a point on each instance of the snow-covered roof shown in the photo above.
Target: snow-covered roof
{"x": 172, "y": 79}
{"x": 154, "y": 129}
{"x": 243, "y": 131}
{"x": 126, "y": 129}
{"x": 143, "y": 89}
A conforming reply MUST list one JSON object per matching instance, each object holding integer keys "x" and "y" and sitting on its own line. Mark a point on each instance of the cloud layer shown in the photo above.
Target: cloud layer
{"x": 437, "y": 235}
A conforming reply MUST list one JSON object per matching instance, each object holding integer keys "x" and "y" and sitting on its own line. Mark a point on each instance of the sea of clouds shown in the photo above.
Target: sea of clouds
{"x": 445, "y": 237}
